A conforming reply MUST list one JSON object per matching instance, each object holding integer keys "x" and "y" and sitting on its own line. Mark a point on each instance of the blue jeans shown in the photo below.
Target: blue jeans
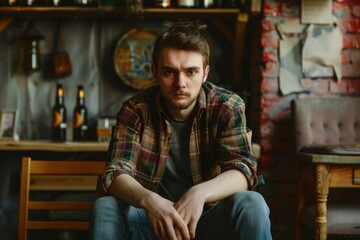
{"x": 244, "y": 215}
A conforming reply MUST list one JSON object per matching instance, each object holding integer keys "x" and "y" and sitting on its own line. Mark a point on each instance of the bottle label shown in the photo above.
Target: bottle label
{"x": 78, "y": 120}
{"x": 56, "y": 119}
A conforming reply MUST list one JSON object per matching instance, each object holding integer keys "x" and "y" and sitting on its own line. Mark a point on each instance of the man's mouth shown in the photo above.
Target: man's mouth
{"x": 180, "y": 94}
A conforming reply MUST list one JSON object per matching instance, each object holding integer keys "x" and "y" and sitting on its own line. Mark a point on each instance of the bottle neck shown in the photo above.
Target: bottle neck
{"x": 60, "y": 100}
{"x": 80, "y": 101}
{"x": 80, "y": 97}
{"x": 59, "y": 96}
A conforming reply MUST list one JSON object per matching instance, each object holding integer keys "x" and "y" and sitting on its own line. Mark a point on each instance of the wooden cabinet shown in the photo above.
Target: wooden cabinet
{"x": 234, "y": 33}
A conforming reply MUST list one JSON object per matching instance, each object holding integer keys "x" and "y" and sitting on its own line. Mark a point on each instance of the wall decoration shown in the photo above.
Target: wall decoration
{"x": 8, "y": 124}
{"x": 132, "y": 58}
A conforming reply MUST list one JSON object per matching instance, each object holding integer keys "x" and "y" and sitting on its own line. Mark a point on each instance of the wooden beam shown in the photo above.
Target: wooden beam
{"x": 240, "y": 31}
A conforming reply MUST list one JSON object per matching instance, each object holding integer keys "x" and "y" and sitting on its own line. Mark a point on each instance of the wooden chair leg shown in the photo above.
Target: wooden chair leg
{"x": 322, "y": 191}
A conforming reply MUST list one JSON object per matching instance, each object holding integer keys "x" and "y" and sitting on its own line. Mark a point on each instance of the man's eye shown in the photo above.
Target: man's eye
{"x": 192, "y": 72}
{"x": 168, "y": 73}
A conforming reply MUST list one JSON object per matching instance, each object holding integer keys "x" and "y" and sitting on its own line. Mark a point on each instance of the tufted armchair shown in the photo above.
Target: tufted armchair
{"x": 327, "y": 140}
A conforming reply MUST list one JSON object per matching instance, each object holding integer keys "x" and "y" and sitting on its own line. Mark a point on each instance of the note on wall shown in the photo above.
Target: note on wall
{"x": 322, "y": 47}
{"x": 316, "y": 11}
{"x": 291, "y": 32}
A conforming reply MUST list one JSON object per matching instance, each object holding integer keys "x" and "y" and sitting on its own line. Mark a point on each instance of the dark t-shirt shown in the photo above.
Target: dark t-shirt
{"x": 177, "y": 178}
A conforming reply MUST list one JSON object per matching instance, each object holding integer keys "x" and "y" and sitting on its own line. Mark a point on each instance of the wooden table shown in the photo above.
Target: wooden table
{"x": 52, "y": 150}
{"x": 324, "y": 171}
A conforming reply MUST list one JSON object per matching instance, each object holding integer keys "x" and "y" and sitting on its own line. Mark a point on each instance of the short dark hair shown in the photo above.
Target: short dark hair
{"x": 182, "y": 35}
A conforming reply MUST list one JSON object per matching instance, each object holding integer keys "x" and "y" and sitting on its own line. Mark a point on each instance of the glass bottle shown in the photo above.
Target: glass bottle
{"x": 186, "y": 3}
{"x": 80, "y": 116}
{"x": 162, "y": 3}
{"x": 59, "y": 116}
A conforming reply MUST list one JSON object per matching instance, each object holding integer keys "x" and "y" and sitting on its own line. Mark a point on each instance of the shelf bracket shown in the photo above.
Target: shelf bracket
{"x": 5, "y": 22}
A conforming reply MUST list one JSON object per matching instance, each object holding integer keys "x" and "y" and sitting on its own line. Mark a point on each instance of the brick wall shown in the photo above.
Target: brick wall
{"x": 270, "y": 116}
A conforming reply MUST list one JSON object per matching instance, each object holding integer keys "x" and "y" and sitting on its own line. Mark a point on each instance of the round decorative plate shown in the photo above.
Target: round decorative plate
{"x": 133, "y": 58}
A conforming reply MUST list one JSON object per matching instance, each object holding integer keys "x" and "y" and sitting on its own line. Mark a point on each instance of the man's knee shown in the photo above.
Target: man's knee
{"x": 250, "y": 202}
{"x": 108, "y": 205}
{"x": 105, "y": 202}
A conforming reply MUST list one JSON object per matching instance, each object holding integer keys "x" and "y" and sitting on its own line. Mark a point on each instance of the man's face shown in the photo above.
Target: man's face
{"x": 180, "y": 75}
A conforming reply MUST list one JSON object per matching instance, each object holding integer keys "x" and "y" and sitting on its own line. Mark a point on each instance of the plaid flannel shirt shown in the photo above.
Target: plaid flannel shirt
{"x": 219, "y": 139}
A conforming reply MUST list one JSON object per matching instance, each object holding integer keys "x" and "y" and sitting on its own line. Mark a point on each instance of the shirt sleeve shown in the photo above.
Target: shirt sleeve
{"x": 123, "y": 149}
{"x": 234, "y": 144}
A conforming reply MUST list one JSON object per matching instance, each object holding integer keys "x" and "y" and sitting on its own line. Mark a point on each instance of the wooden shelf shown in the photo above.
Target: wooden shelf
{"x": 235, "y": 32}
{"x": 113, "y": 12}
{"x": 62, "y": 12}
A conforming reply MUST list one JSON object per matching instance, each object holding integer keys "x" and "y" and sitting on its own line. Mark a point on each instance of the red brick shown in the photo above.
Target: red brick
{"x": 339, "y": 87}
{"x": 280, "y": 130}
{"x": 349, "y": 25}
{"x": 345, "y": 56}
{"x": 267, "y": 129}
{"x": 270, "y": 55}
{"x": 350, "y": 70}
{"x": 356, "y": 10}
{"x": 311, "y": 95}
{"x": 351, "y": 41}
{"x": 276, "y": 108}
{"x": 306, "y": 83}
{"x": 270, "y": 39}
{"x": 267, "y": 25}
{"x": 272, "y": 9}
{"x": 290, "y": 9}
{"x": 316, "y": 85}
{"x": 270, "y": 70}
{"x": 354, "y": 86}
{"x": 354, "y": 56}
{"x": 341, "y": 10}
{"x": 270, "y": 85}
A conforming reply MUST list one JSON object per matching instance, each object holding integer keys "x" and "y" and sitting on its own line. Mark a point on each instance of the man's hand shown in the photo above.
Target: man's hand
{"x": 165, "y": 220}
{"x": 190, "y": 207}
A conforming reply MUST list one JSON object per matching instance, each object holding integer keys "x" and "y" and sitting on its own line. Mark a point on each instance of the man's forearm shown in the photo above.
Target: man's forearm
{"x": 130, "y": 191}
{"x": 224, "y": 185}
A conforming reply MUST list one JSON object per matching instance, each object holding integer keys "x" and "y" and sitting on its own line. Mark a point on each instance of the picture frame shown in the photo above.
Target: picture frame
{"x": 8, "y": 123}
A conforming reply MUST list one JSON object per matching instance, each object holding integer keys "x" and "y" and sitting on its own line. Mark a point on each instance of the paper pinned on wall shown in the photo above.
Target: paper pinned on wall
{"x": 316, "y": 11}
{"x": 290, "y": 47}
{"x": 290, "y": 65}
{"x": 322, "y": 51}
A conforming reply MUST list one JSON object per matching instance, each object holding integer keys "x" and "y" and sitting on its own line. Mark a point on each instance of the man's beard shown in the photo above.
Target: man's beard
{"x": 182, "y": 104}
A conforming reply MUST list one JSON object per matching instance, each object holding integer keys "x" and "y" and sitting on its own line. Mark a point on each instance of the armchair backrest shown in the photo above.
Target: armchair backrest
{"x": 326, "y": 120}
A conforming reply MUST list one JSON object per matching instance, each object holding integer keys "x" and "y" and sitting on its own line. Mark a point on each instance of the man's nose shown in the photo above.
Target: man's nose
{"x": 181, "y": 80}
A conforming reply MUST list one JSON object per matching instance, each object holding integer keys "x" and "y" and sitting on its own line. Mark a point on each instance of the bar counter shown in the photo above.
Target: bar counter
{"x": 46, "y": 145}
{"x": 68, "y": 146}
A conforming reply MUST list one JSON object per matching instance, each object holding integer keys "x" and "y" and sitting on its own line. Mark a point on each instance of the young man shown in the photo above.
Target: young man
{"x": 180, "y": 163}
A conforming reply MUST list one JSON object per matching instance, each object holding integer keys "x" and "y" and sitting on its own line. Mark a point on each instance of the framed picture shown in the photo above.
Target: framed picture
{"x": 8, "y": 123}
